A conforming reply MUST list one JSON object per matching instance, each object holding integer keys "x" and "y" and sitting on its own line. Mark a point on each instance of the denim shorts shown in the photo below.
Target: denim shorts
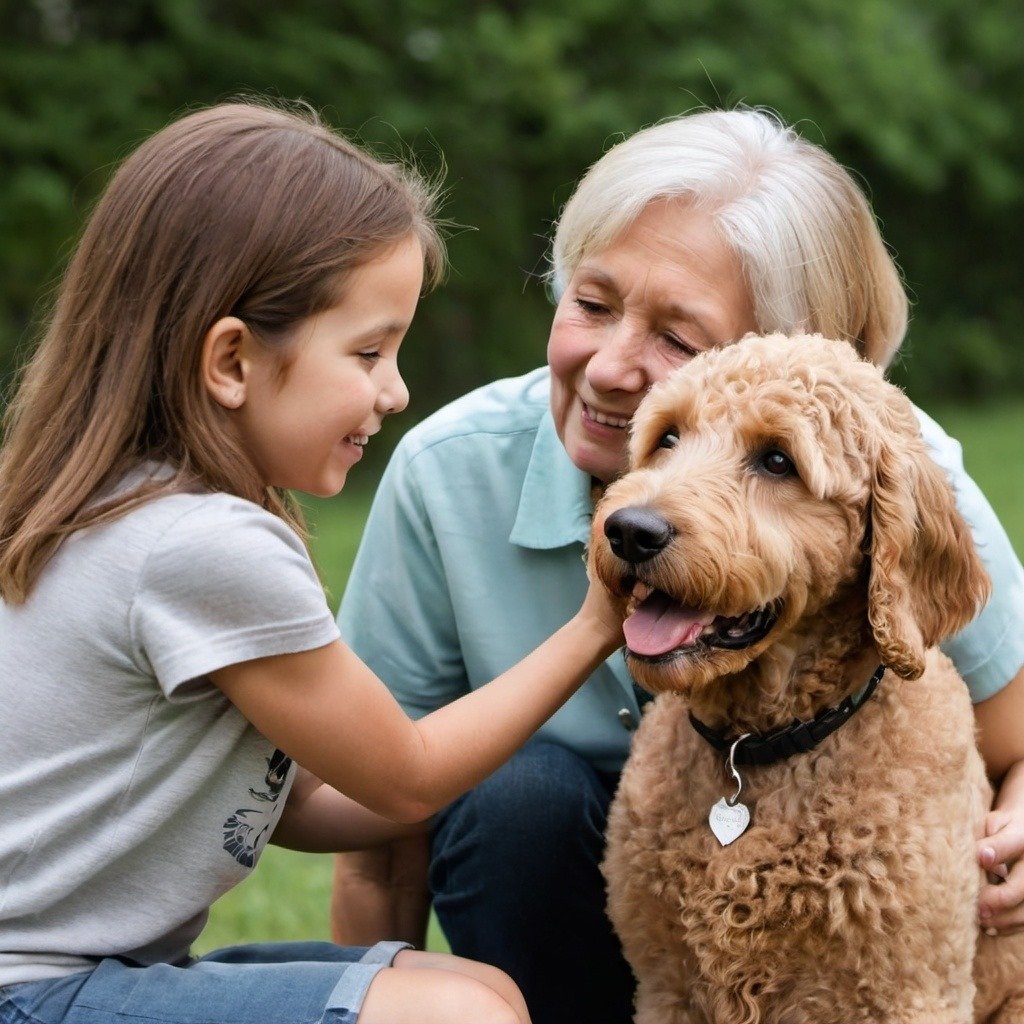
{"x": 269, "y": 983}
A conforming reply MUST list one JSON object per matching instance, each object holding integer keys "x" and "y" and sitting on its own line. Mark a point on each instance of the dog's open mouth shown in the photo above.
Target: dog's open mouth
{"x": 660, "y": 628}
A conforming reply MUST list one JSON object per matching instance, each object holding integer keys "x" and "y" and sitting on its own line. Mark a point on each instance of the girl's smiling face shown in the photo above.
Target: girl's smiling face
{"x": 306, "y": 424}
{"x": 666, "y": 289}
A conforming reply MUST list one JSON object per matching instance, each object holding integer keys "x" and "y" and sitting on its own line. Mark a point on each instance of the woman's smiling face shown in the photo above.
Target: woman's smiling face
{"x": 665, "y": 290}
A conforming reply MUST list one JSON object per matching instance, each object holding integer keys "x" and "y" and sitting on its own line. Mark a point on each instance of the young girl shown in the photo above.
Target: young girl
{"x": 228, "y": 329}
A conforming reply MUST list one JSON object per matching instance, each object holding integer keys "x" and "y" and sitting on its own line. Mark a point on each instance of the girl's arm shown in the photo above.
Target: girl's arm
{"x": 330, "y": 713}
{"x": 318, "y": 819}
{"x": 381, "y": 879}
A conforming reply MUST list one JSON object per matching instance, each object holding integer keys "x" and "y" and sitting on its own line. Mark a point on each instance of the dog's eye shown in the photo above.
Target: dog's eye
{"x": 777, "y": 463}
{"x": 669, "y": 439}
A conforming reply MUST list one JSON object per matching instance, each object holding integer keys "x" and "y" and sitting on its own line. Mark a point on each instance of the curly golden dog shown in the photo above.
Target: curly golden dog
{"x": 793, "y": 839}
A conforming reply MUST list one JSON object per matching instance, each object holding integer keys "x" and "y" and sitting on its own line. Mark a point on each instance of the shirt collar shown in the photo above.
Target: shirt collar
{"x": 554, "y": 506}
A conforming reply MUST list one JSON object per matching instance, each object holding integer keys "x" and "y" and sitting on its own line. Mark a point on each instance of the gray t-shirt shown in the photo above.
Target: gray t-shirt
{"x": 132, "y": 792}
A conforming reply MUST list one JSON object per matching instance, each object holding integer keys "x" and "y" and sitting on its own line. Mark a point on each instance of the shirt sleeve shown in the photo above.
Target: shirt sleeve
{"x": 225, "y": 583}
{"x": 989, "y": 651}
{"x": 396, "y": 612}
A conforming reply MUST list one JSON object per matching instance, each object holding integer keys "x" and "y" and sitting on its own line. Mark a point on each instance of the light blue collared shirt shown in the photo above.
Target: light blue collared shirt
{"x": 473, "y": 556}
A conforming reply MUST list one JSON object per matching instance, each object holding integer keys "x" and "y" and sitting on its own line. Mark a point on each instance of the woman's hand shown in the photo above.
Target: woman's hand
{"x": 1001, "y": 854}
{"x": 1001, "y": 847}
{"x": 1001, "y": 904}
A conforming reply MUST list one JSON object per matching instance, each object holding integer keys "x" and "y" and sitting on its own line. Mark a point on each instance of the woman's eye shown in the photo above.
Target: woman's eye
{"x": 683, "y": 346}
{"x": 370, "y": 357}
{"x": 669, "y": 439}
{"x": 777, "y": 463}
{"x": 592, "y": 308}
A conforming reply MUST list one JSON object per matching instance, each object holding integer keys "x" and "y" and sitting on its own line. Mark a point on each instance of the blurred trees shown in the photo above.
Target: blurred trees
{"x": 520, "y": 96}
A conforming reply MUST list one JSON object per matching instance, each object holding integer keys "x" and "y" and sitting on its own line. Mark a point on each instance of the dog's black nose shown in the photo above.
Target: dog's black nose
{"x": 637, "y": 534}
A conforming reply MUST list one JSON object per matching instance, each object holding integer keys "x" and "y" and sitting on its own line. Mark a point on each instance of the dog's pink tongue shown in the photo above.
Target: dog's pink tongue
{"x": 659, "y": 625}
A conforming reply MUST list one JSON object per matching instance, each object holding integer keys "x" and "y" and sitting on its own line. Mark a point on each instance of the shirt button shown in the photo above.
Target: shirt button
{"x": 627, "y": 719}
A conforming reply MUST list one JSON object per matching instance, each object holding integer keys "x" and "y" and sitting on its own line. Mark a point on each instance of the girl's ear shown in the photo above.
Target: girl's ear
{"x": 224, "y": 363}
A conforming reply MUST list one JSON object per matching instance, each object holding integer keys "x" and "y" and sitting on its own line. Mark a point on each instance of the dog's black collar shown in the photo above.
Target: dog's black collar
{"x": 797, "y": 738}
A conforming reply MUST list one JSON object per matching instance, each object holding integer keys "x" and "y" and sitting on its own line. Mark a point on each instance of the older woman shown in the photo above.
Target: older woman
{"x": 686, "y": 236}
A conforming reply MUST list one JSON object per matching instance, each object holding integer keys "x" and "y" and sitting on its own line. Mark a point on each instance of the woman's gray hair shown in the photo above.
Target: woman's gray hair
{"x": 811, "y": 251}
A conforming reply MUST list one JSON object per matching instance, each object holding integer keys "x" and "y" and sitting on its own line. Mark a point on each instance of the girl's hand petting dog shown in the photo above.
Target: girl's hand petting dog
{"x": 606, "y": 609}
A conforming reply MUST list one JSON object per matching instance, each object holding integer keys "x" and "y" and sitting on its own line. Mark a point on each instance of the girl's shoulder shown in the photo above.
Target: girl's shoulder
{"x": 200, "y": 507}
{"x": 222, "y": 580}
{"x": 192, "y": 537}
{"x": 202, "y": 526}
{"x": 179, "y": 511}
{"x": 188, "y": 507}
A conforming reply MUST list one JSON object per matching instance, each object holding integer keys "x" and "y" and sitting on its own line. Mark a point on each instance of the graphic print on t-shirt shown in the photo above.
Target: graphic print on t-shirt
{"x": 248, "y": 826}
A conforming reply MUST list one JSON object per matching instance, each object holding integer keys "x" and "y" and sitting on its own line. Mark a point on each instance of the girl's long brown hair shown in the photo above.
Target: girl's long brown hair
{"x": 239, "y": 210}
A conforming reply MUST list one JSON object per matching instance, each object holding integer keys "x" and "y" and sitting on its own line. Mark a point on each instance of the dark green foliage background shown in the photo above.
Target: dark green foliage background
{"x": 921, "y": 98}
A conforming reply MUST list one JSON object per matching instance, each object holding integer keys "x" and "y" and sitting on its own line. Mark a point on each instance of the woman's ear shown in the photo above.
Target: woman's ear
{"x": 224, "y": 364}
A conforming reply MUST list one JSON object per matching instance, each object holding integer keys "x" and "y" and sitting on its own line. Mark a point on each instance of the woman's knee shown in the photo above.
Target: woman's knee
{"x": 546, "y": 792}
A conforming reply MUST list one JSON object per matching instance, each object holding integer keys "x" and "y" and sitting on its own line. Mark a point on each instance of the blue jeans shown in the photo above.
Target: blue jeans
{"x": 516, "y": 883}
{"x": 271, "y": 983}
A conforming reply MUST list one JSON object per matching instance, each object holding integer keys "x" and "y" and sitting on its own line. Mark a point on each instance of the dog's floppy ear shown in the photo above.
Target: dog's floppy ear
{"x": 926, "y": 579}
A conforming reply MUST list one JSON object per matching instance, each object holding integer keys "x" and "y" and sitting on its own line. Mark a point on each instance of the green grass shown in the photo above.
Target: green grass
{"x": 335, "y": 525}
{"x": 287, "y": 896}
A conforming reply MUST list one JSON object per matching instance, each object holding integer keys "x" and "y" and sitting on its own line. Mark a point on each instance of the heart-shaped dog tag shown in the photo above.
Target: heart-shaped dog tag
{"x": 728, "y": 821}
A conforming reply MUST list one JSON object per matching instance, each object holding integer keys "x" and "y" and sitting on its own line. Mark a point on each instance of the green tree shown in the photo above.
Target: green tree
{"x": 517, "y": 98}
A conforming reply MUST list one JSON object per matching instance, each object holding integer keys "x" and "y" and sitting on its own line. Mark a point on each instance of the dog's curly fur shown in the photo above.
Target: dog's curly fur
{"x": 852, "y": 895}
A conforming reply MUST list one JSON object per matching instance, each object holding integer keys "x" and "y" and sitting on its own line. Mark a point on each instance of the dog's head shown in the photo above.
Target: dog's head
{"x": 768, "y": 479}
